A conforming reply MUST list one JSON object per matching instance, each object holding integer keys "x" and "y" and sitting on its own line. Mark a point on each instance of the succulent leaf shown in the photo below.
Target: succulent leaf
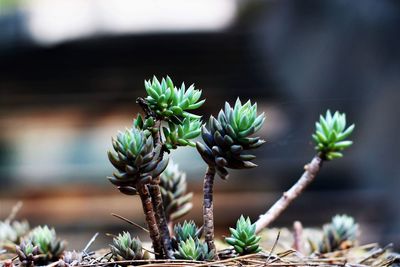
{"x": 330, "y": 135}
{"x": 243, "y": 238}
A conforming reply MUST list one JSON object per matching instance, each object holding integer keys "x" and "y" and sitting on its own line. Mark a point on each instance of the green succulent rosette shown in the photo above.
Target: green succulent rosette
{"x": 331, "y": 134}
{"x": 136, "y": 160}
{"x": 243, "y": 238}
{"x": 228, "y": 137}
{"x": 170, "y": 103}
{"x": 28, "y": 254}
{"x": 124, "y": 247}
{"x": 45, "y": 239}
{"x": 340, "y": 233}
{"x": 193, "y": 249}
{"x": 182, "y": 134}
{"x": 177, "y": 202}
{"x": 184, "y": 231}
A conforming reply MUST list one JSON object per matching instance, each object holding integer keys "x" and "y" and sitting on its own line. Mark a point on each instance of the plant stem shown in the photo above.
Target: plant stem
{"x": 308, "y": 176}
{"x": 151, "y": 220}
{"x": 208, "y": 213}
{"x": 161, "y": 220}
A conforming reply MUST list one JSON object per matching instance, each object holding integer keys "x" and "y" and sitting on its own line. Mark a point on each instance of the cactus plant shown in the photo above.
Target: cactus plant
{"x": 243, "y": 238}
{"x": 227, "y": 141}
{"x": 125, "y": 247}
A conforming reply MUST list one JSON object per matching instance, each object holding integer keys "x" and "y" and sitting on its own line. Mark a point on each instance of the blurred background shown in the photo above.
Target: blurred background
{"x": 70, "y": 71}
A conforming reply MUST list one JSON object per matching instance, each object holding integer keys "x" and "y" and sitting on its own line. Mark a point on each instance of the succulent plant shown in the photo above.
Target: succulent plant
{"x": 170, "y": 103}
{"x": 28, "y": 254}
{"x": 181, "y": 134}
{"x": 173, "y": 185}
{"x": 330, "y": 135}
{"x": 227, "y": 137}
{"x": 243, "y": 238}
{"x": 12, "y": 232}
{"x": 125, "y": 247}
{"x": 46, "y": 240}
{"x": 186, "y": 230}
{"x": 71, "y": 258}
{"x": 193, "y": 249}
{"x": 340, "y": 233}
{"x": 136, "y": 159}
{"x": 145, "y": 124}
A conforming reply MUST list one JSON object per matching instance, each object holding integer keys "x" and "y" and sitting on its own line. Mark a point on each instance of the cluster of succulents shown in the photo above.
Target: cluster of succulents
{"x": 170, "y": 103}
{"x": 187, "y": 243}
{"x": 330, "y": 135}
{"x": 136, "y": 159}
{"x": 124, "y": 248}
{"x": 227, "y": 137}
{"x": 340, "y": 233}
{"x": 12, "y": 232}
{"x": 41, "y": 246}
{"x": 177, "y": 202}
{"x": 243, "y": 238}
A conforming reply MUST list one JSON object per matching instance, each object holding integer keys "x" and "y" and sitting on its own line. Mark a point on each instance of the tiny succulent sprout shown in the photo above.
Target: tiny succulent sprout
{"x": 28, "y": 254}
{"x": 145, "y": 124}
{"x": 244, "y": 238}
{"x": 181, "y": 134}
{"x": 331, "y": 134}
{"x": 193, "y": 249}
{"x": 124, "y": 247}
{"x": 340, "y": 233}
{"x": 177, "y": 202}
{"x": 136, "y": 159}
{"x": 47, "y": 242}
{"x": 227, "y": 137}
{"x": 170, "y": 103}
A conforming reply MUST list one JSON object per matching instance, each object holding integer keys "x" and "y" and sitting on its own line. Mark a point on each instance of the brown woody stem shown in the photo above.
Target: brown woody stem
{"x": 151, "y": 220}
{"x": 161, "y": 220}
{"x": 308, "y": 176}
{"x": 208, "y": 213}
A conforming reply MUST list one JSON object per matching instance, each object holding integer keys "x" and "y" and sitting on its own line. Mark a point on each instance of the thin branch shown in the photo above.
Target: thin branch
{"x": 308, "y": 176}
{"x": 90, "y": 242}
{"x": 130, "y": 222}
{"x": 14, "y": 212}
{"x": 274, "y": 246}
